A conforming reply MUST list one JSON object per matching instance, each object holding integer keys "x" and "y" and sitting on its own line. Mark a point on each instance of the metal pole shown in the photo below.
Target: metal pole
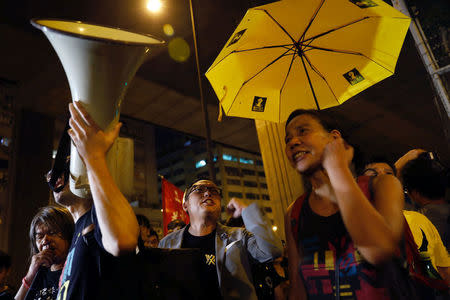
{"x": 210, "y": 159}
{"x": 426, "y": 55}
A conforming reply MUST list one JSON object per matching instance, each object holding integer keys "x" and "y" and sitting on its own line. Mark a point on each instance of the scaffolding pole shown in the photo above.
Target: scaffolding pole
{"x": 427, "y": 56}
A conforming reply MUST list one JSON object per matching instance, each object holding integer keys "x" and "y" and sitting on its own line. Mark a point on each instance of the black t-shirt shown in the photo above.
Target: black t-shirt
{"x": 44, "y": 285}
{"x": 207, "y": 245}
{"x": 86, "y": 263}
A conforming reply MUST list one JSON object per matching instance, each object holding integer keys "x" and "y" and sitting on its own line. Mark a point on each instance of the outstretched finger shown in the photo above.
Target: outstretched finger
{"x": 85, "y": 115}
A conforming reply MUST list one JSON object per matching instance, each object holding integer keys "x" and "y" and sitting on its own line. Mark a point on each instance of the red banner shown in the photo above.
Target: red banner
{"x": 172, "y": 199}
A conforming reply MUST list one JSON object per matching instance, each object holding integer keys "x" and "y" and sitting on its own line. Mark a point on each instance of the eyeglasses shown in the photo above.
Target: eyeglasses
{"x": 40, "y": 235}
{"x": 372, "y": 172}
{"x": 201, "y": 189}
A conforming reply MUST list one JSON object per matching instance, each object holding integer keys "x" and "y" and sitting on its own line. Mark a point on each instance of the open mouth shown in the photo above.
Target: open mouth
{"x": 297, "y": 156}
{"x": 48, "y": 246}
{"x": 208, "y": 202}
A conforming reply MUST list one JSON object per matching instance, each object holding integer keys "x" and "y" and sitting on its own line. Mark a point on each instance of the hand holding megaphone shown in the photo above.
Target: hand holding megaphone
{"x": 90, "y": 140}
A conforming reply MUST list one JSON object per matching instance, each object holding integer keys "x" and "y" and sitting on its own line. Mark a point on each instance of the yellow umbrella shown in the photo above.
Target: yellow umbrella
{"x": 314, "y": 54}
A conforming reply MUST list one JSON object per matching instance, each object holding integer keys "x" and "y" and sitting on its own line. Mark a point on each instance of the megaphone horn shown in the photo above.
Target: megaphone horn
{"x": 99, "y": 62}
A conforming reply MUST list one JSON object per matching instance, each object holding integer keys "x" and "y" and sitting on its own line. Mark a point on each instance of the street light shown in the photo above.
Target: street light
{"x": 154, "y": 5}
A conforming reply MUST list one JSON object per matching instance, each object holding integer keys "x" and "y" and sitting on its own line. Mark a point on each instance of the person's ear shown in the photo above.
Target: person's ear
{"x": 184, "y": 205}
{"x": 335, "y": 134}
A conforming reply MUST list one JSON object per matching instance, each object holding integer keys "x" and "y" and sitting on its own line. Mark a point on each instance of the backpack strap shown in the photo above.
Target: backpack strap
{"x": 295, "y": 215}
{"x": 365, "y": 184}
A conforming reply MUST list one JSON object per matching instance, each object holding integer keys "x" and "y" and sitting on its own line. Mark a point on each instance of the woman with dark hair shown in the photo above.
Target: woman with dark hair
{"x": 336, "y": 235}
{"x": 51, "y": 231}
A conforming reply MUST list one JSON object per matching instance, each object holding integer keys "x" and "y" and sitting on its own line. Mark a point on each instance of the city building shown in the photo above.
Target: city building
{"x": 239, "y": 173}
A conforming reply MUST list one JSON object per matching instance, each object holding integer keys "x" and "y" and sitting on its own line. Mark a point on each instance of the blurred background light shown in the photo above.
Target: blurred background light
{"x": 179, "y": 49}
{"x": 168, "y": 30}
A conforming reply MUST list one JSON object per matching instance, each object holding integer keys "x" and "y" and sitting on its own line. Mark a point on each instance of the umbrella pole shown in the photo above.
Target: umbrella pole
{"x": 210, "y": 160}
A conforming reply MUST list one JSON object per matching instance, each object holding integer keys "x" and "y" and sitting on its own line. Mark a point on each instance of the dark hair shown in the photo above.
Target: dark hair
{"x": 143, "y": 221}
{"x": 153, "y": 233}
{"x": 175, "y": 223}
{"x": 377, "y": 159}
{"x": 5, "y": 261}
{"x": 425, "y": 175}
{"x": 329, "y": 123}
{"x": 55, "y": 218}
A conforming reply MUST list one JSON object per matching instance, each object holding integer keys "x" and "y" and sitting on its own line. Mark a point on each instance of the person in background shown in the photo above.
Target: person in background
{"x": 335, "y": 235}
{"x": 380, "y": 165}
{"x": 6, "y": 292}
{"x": 175, "y": 225}
{"x": 50, "y": 233}
{"x": 426, "y": 236}
{"x": 227, "y": 251}
{"x": 144, "y": 232}
{"x": 426, "y": 180}
{"x": 153, "y": 239}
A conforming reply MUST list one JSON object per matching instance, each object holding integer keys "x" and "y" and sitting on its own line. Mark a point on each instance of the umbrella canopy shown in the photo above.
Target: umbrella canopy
{"x": 310, "y": 54}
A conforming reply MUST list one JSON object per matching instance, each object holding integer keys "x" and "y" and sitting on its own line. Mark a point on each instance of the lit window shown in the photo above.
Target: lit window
{"x": 246, "y": 161}
{"x": 229, "y": 157}
{"x": 200, "y": 164}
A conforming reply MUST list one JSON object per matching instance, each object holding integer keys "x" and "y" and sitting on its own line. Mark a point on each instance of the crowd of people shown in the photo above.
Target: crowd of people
{"x": 347, "y": 237}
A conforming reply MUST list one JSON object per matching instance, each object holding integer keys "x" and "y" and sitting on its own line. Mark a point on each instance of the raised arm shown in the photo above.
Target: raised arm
{"x": 410, "y": 155}
{"x": 115, "y": 216}
{"x": 262, "y": 243}
{"x": 375, "y": 228}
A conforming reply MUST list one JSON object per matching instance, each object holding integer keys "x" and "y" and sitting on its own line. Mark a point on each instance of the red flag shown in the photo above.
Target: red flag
{"x": 172, "y": 199}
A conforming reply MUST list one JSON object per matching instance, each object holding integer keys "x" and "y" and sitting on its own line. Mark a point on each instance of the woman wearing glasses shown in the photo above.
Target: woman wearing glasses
{"x": 50, "y": 234}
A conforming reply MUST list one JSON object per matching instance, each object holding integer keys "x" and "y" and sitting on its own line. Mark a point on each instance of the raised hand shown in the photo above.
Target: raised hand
{"x": 410, "y": 155}
{"x": 92, "y": 143}
{"x": 44, "y": 258}
{"x": 235, "y": 207}
{"x": 337, "y": 154}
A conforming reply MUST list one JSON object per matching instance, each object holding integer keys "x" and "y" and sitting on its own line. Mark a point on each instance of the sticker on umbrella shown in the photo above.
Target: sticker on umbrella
{"x": 236, "y": 37}
{"x": 353, "y": 76}
{"x": 364, "y": 3}
{"x": 259, "y": 104}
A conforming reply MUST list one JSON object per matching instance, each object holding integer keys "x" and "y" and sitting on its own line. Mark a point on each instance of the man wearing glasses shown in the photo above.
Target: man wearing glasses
{"x": 226, "y": 250}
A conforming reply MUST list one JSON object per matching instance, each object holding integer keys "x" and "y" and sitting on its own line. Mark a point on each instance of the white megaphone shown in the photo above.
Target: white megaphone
{"x": 99, "y": 63}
